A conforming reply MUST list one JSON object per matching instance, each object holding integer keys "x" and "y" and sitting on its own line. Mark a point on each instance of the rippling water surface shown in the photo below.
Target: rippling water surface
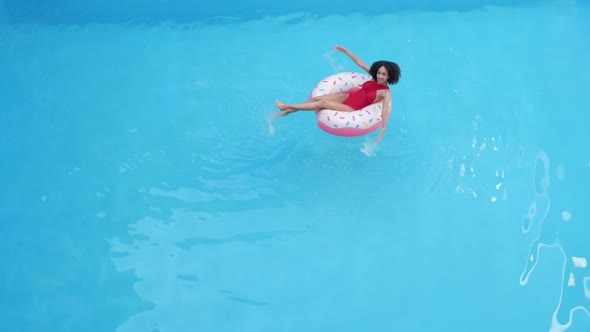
{"x": 146, "y": 189}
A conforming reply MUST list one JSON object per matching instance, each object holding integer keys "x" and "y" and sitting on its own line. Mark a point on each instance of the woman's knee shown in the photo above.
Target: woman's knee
{"x": 322, "y": 103}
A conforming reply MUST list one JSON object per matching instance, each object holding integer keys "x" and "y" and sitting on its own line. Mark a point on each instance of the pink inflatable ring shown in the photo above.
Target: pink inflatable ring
{"x": 355, "y": 123}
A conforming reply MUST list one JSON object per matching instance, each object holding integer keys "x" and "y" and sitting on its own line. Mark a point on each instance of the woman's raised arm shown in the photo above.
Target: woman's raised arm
{"x": 353, "y": 57}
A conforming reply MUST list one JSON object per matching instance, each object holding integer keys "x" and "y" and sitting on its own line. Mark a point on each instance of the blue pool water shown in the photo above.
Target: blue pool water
{"x": 145, "y": 189}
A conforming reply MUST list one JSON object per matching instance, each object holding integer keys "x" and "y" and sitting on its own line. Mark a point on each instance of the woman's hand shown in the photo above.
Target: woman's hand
{"x": 353, "y": 57}
{"x": 340, "y": 48}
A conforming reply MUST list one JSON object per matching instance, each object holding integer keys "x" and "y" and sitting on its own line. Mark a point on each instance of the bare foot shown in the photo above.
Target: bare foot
{"x": 284, "y": 109}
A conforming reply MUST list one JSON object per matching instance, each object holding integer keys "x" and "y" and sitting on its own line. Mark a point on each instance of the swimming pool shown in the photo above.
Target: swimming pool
{"x": 146, "y": 190}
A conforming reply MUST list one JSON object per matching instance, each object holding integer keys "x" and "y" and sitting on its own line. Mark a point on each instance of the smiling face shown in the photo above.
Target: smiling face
{"x": 382, "y": 75}
{"x": 385, "y": 72}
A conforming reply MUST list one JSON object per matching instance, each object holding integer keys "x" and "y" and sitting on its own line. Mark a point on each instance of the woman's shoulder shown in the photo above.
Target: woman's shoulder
{"x": 385, "y": 91}
{"x": 382, "y": 87}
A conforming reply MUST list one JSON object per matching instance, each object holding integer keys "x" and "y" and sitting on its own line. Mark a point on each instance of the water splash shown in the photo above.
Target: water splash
{"x": 369, "y": 148}
{"x": 271, "y": 128}
{"x": 336, "y": 65}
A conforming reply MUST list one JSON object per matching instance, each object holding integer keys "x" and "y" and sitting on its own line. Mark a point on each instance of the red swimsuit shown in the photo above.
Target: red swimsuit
{"x": 364, "y": 96}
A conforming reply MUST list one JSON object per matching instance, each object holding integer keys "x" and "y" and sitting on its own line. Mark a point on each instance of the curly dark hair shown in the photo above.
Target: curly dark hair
{"x": 392, "y": 69}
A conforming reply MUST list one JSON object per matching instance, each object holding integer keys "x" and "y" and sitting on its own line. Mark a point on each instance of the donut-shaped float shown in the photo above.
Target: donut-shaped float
{"x": 348, "y": 124}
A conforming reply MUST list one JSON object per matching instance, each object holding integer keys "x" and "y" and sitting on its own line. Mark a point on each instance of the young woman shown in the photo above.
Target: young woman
{"x": 373, "y": 91}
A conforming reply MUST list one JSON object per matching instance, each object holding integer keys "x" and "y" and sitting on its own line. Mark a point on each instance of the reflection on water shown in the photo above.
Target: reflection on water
{"x": 553, "y": 226}
{"x": 194, "y": 260}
